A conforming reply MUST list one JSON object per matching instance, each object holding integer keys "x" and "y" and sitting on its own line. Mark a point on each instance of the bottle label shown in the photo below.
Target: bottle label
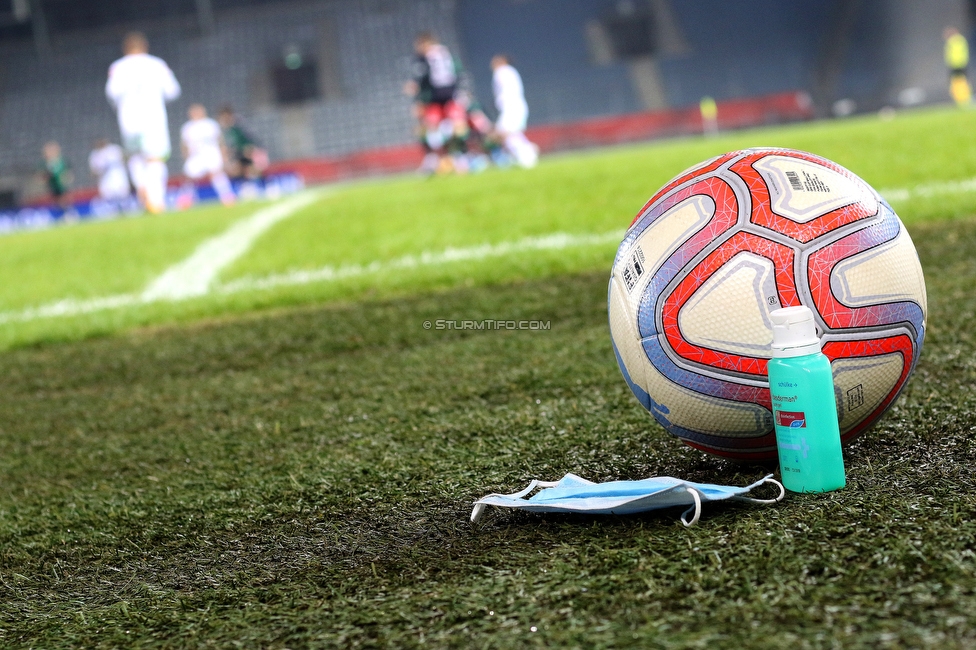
{"x": 791, "y": 419}
{"x": 791, "y": 440}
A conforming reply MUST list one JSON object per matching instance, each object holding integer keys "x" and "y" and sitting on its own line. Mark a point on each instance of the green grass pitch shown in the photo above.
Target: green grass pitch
{"x": 293, "y": 466}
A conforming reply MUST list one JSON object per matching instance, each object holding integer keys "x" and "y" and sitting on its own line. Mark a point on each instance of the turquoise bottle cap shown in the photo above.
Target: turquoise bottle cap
{"x": 794, "y": 332}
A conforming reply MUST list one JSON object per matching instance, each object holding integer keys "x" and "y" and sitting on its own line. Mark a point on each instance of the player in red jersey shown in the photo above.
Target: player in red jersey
{"x": 434, "y": 88}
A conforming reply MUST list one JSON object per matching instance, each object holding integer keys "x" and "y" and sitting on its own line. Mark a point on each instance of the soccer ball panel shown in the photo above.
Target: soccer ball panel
{"x": 861, "y": 205}
{"x": 650, "y": 248}
{"x": 681, "y": 409}
{"x": 839, "y": 315}
{"x": 626, "y": 342}
{"x": 801, "y": 190}
{"x": 890, "y": 272}
{"x": 684, "y": 177}
{"x": 706, "y": 320}
{"x": 869, "y": 373}
{"x": 783, "y": 294}
{"x": 862, "y": 384}
{"x": 677, "y": 407}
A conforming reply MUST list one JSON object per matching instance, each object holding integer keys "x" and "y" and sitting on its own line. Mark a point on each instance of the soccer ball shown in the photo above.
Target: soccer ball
{"x": 726, "y": 242}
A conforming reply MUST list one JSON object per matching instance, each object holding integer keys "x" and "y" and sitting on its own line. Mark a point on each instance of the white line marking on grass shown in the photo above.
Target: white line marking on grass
{"x": 930, "y": 189}
{"x": 71, "y": 307}
{"x": 555, "y": 241}
{"x": 194, "y": 275}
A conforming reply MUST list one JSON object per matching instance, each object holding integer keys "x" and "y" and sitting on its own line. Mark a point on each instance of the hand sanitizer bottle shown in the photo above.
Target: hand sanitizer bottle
{"x": 804, "y": 411}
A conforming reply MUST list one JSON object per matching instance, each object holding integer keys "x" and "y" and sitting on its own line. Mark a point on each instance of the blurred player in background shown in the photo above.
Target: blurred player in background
{"x": 478, "y": 135}
{"x": 434, "y": 89}
{"x": 139, "y": 85}
{"x": 513, "y": 111}
{"x": 202, "y": 145}
{"x": 107, "y": 164}
{"x": 57, "y": 174}
{"x": 957, "y": 60}
{"x": 245, "y": 159}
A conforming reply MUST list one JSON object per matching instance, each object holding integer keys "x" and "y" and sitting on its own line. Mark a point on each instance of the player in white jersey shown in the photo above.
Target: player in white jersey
{"x": 201, "y": 140}
{"x": 513, "y": 111}
{"x": 107, "y": 164}
{"x": 139, "y": 85}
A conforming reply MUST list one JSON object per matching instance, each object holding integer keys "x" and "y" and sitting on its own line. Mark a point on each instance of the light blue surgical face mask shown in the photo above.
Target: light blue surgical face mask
{"x": 574, "y": 494}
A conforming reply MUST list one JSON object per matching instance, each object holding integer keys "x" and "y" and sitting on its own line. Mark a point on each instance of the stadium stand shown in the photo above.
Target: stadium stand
{"x": 579, "y": 59}
{"x": 61, "y": 96}
{"x": 546, "y": 40}
{"x": 729, "y": 50}
{"x": 730, "y": 45}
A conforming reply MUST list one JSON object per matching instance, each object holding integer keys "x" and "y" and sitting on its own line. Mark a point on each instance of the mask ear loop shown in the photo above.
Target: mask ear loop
{"x": 696, "y": 508}
{"x": 767, "y": 479}
{"x": 479, "y": 508}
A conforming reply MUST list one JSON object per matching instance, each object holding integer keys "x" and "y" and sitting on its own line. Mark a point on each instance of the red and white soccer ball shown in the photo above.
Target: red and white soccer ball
{"x": 726, "y": 242}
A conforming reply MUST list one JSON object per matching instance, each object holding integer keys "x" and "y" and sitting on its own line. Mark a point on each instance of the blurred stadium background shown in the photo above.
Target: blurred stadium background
{"x": 320, "y": 82}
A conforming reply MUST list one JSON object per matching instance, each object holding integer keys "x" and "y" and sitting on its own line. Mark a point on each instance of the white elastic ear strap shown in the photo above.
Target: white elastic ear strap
{"x": 696, "y": 508}
{"x": 768, "y": 479}
{"x": 479, "y": 508}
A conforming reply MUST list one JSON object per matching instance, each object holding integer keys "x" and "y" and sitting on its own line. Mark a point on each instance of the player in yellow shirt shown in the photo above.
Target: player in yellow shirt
{"x": 957, "y": 60}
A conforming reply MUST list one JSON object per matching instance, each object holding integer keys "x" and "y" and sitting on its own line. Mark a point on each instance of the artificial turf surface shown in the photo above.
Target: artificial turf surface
{"x": 304, "y": 478}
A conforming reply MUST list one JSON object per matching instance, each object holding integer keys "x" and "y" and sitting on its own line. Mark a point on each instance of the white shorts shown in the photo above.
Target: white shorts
{"x": 151, "y": 144}
{"x": 114, "y": 185}
{"x": 512, "y": 120}
{"x": 203, "y": 164}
